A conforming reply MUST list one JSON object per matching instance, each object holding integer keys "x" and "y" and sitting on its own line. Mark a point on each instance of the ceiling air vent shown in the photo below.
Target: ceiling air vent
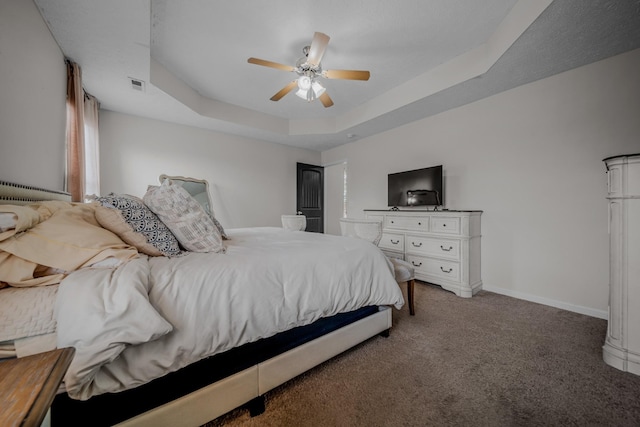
{"x": 137, "y": 84}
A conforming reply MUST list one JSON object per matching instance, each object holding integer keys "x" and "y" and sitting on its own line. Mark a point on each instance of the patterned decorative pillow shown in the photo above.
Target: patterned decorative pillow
{"x": 141, "y": 220}
{"x": 203, "y": 199}
{"x": 220, "y": 228}
{"x": 112, "y": 220}
{"x": 185, "y": 217}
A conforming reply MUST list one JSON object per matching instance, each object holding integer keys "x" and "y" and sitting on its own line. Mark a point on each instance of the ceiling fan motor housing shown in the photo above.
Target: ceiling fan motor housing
{"x": 304, "y": 68}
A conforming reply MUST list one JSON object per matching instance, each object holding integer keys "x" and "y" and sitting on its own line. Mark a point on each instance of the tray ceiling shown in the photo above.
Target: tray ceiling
{"x": 424, "y": 57}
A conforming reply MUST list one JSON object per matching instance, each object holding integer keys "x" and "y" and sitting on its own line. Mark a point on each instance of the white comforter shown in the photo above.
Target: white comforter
{"x": 152, "y": 316}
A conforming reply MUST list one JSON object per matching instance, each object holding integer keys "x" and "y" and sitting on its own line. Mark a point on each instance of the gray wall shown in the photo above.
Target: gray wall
{"x": 531, "y": 159}
{"x": 252, "y": 182}
{"x": 33, "y": 81}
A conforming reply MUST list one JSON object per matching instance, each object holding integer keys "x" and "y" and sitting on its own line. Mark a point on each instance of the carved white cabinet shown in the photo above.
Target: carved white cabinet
{"x": 622, "y": 345}
{"x": 443, "y": 246}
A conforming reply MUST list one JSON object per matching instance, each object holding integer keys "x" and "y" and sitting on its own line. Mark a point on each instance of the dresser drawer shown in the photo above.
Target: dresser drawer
{"x": 441, "y": 248}
{"x": 445, "y": 225}
{"x": 392, "y": 241}
{"x": 433, "y": 267}
{"x": 407, "y": 223}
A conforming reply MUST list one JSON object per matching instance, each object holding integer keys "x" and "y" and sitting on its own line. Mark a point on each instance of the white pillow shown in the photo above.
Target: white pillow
{"x": 185, "y": 217}
{"x": 8, "y": 221}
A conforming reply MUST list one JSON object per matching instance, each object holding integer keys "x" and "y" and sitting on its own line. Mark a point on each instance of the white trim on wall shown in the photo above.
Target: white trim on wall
{"x": 334, "y": 196}
{"x": 600, "y": 314}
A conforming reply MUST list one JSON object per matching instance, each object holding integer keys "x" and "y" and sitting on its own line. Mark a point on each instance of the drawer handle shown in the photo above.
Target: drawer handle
{"x": 392, "y": 222}
{"x": 446, "y": 250}
{"x": 416, "y": 246}
{"x": 446, "y": 271}
{"x": 444, "y": 225}
{"x": 416, "y": 265}
{"x": 419, "y": 223}
{"x": 394, "y": 242}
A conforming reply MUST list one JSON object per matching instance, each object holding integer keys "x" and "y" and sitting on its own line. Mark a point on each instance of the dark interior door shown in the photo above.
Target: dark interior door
{"x": 310, "y": 196}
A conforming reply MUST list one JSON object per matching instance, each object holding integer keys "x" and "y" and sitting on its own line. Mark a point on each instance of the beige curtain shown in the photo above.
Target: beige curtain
{"x": 91, "y": 146}
{"x": 75, "y": 133}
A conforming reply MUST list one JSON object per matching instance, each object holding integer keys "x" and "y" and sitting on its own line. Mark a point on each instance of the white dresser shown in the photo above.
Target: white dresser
{"x": 622, "y": 345}
{"x": 443, "y": 246}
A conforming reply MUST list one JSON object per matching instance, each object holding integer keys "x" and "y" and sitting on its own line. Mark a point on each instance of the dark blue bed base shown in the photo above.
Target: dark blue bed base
{"x": 109, "y": 409}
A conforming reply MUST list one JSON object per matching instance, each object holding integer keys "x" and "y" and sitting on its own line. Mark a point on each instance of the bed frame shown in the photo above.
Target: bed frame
{"x": 211, "y": 387}
{"x": 246, "y": 386}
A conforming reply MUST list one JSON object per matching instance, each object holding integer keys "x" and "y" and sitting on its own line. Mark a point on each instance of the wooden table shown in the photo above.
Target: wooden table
{"x": 29, "y": 384}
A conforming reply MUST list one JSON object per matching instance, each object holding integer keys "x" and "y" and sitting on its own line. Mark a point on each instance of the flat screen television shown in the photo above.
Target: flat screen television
{"x": 420, "y": 187}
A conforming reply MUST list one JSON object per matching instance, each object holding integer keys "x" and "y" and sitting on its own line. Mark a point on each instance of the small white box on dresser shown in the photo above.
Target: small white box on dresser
{"x": 443, "y": 246}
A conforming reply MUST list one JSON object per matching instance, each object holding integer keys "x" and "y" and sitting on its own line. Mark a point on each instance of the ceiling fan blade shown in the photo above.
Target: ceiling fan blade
{"x": 285, "y": 90}
{"x": 346, "y": 74}
{"x": 271, "y": 64}
{"x": 318, "y": 46}
{"x": 326, "y": 100}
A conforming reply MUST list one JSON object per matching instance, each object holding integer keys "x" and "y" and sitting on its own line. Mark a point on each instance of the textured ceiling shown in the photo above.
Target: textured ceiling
{"x": 396, "y": 41}
{"x": 424, "y": 57}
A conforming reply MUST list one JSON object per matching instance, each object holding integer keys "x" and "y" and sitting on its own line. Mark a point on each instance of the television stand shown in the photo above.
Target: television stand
{"x": 443, "y": 246}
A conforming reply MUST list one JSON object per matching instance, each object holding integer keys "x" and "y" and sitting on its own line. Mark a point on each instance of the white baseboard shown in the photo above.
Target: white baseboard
{"x": 601, "y": 314}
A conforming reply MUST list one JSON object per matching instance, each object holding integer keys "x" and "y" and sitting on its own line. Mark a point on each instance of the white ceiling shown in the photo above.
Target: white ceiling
{"x": 424, "y": 57}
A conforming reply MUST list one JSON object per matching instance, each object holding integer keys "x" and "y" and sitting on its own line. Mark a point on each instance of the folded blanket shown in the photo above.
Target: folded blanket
{"x": 52, "y": 239}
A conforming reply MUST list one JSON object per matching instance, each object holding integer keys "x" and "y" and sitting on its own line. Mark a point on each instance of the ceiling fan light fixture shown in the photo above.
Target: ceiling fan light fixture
{"x": 309, "y": 89}
{"x": 302, "y": 93}
{"x": 317, "y": 88}
{"x": 304, "y": 83}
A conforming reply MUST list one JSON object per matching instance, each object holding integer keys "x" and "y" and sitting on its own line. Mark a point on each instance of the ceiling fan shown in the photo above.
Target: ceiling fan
{"x": 309, "y": 70}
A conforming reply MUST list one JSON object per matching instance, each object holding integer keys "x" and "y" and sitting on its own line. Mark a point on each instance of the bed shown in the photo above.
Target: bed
{"x": 200, "y": 334}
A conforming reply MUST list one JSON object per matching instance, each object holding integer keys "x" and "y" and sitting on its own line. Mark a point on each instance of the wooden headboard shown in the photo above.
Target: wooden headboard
{"x": 18, "y": 194}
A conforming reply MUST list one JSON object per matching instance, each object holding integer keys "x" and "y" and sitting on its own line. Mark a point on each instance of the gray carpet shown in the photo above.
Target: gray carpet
{"x": 490, "y": 360}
